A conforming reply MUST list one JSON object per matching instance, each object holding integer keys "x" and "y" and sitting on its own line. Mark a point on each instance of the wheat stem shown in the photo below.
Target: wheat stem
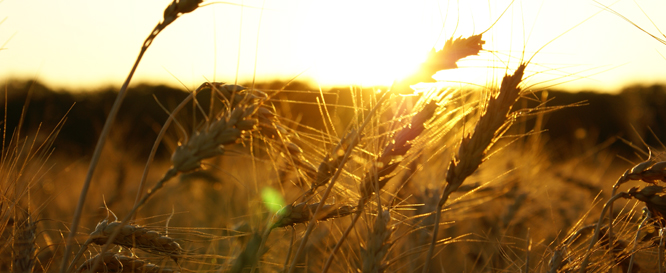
{"x": 595, "y": 237}
{"x": 171, "y": 13}
{"x": 332, "y": 181}
{"x": 157, "y": 142}
{"x": 337, "y": 246}
{"x": 95, "y": 158}
{"x": 377, "y": 177}
{"x": 646, "y": 216}
{"x": 472, "y": 150}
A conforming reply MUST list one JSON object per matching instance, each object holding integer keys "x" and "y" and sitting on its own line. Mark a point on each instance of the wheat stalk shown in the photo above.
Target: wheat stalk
{"x": 208, "y": 141}
{"x": 329, "y": 175}
{"x": 382, "y": 170}
{"x": 171, "y": 13}
{"x": 648, "y": 171}
{"x": 646, "y": 216}
{"x": 472, "y": 150}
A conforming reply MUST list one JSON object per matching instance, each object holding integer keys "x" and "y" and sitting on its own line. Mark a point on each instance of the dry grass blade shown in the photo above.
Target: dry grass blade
{"x": 646, "y": 216}
{"x": 649, "y": 171}
{"x": 620, "y": 253}
{"x": 111, "y": 262}
{"x": 557, "y": 261}
{"x": 272, "y": 130}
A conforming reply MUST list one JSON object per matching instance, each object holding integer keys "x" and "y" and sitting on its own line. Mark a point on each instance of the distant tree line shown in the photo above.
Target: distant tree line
{"x": 635, "y": 113}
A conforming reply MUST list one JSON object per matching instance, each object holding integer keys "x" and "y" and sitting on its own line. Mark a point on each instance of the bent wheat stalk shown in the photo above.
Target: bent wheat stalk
{"x": 131, "y": 236}
{"x": 597, "y": 229}
{"x": 207, "y": 142}
{"x": 648, "y": 171}
{"x": 171, "y": 13}
{"x": 473, "y": 149}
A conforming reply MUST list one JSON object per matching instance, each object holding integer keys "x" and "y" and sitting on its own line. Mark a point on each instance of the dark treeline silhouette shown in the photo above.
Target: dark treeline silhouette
{"x": 635, "y": 115}
{"x": 569, "y": 132}
{"x": 134, "y": 130}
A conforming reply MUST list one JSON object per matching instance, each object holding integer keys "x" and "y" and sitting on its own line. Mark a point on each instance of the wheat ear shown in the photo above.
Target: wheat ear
{"x": 472, "y": 150}
{"x": 648, "y": 171}
{"x": 171, "y": 13}
{"x": 209, "y": 141}
{"x": 119, "y": 263}
{"x": 382, "y": 170}
{"x": 303, "y": 213}
{"x": 373, "y": 255}
{"x": 330, "y": 177}
{"x": 131, "y": 236}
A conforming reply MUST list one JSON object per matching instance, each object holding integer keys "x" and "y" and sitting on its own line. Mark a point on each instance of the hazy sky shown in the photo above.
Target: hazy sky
{"x": 85, "y": 44}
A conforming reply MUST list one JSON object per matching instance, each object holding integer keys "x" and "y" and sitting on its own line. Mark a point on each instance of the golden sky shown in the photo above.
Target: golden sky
{"x": 83, "y": 44}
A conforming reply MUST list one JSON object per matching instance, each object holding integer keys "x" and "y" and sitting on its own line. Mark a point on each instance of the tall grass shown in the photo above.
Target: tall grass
{"x": 438, "y": 181}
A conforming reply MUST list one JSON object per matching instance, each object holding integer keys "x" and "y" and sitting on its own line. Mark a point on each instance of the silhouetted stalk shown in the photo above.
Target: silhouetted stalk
{"x": 171, "y": 13}
{"x": 597, "y": 229}
{"x": 472, "y": 150}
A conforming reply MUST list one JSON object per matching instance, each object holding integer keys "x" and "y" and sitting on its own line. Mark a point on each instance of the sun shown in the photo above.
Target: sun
{"x": 374, "y": 43}
{"x": 369, "y": 42}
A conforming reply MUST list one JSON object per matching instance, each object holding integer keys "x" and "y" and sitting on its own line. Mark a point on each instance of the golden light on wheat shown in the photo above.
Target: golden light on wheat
{"x": 282, "y": 177}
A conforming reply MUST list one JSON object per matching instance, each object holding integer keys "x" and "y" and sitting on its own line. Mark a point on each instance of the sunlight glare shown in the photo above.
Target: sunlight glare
{"x": 370, "y": 42}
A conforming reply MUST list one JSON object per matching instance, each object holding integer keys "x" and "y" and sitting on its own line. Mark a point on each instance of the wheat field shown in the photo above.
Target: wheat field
{"x": 415, "y": 177}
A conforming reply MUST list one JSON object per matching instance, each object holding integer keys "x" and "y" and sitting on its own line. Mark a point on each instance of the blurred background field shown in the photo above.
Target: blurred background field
{"x": 636, "y": 114}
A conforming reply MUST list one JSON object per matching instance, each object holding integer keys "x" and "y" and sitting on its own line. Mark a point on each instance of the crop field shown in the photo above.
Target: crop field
{"x": 286, "y": 177}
